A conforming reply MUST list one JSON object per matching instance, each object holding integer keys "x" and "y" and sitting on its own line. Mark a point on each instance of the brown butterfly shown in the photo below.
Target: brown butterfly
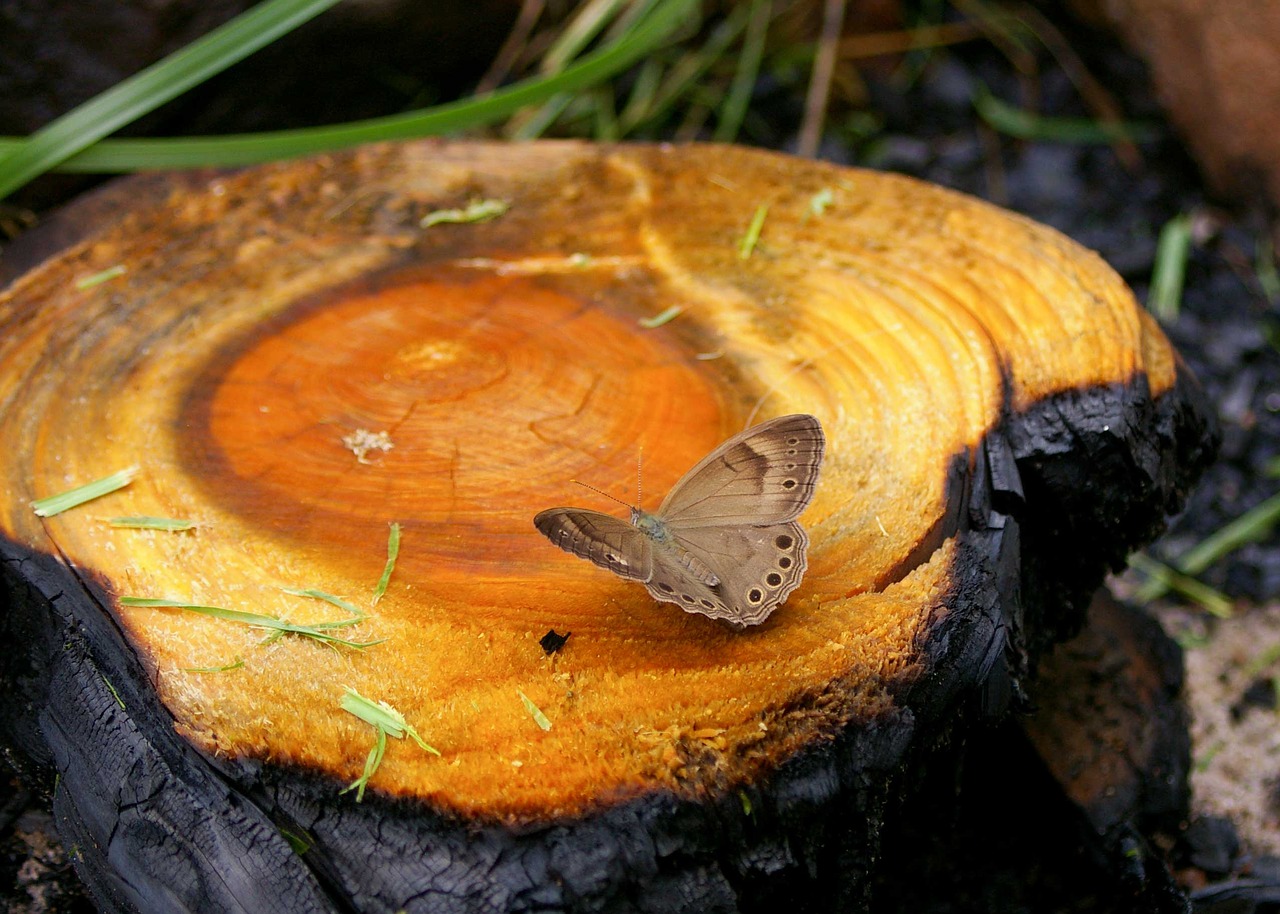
{"x": 725, "y": 542}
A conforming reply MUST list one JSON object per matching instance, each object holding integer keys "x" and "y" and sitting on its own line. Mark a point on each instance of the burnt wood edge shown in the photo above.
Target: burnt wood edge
{"x": 1103, "y": 469}
{"x": 1063, "y": 492}
{"x": 814, "y": 824}
{"x": 148, "y": 824}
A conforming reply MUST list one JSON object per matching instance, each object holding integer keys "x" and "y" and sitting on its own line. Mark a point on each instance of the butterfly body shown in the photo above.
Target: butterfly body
{"x": 725, "y": 542}
{"x": 652, "y": 526}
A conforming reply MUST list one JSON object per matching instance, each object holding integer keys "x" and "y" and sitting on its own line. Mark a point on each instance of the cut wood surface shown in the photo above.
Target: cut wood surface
{"x": 976, "y": 375}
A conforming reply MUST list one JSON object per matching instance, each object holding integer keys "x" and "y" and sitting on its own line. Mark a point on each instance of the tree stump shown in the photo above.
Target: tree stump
{"x": 1003, "y": 424}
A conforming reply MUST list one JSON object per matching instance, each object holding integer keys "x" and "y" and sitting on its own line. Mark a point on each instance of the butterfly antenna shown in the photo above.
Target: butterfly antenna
{"x": 639, "y": 477}
{"x": 601, "y": 492}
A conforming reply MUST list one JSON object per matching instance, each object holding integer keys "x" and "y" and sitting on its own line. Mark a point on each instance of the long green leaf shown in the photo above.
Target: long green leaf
{"x": 145, "y": 91}
{"x": 245, "y": 149}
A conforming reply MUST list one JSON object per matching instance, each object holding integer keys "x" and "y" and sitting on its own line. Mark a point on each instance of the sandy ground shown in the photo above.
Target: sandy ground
{"x": 1236, "y": 742}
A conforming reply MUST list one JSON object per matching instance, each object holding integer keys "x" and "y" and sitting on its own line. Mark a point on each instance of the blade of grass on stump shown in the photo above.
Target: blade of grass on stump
{"x": 246, "y": 149}
{"x": 145, "y": 91}
{"x": 316, "y": 632}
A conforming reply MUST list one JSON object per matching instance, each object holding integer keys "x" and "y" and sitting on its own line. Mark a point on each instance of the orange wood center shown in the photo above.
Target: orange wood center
{"x": 496, "y": 393}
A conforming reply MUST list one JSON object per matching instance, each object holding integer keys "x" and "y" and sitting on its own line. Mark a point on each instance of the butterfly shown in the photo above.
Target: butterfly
{"x": 725, "y": 542}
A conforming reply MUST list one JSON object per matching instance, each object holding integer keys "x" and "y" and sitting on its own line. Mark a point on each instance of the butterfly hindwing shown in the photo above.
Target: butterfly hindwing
{"x": 611, "y": 543}
{"x": 757, "y": 567}
{"x": 764, "y": 475}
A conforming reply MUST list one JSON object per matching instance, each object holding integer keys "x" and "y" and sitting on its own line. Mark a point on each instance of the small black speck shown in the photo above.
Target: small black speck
{"x": 783, "y": 542}
{"x": 552, "y": 642}
{"x": 793, "y": 441}
{"x": 665, "y": 587}
{"x": 788, "y": 483}
{"x": 773, "y": 579}
{"x": 784, "y": 562}
{"x": 754, "y": 595}
{"x": 708, "y": 604}
{"x": 1260, "y": 694}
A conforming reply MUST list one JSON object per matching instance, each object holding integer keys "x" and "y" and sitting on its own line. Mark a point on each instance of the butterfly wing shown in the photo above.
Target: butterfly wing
{"x": 611, "y": 543}
{"x": 757, "y": 567}
{"x": 764, "y": 475}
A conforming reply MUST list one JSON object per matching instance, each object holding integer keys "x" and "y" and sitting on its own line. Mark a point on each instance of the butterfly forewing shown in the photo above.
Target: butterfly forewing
{"x": 764, "y": 475}
{"x": 605, "y": 540}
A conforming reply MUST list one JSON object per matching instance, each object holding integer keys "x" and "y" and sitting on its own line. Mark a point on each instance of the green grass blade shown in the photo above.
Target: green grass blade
{"x": 684, "y": 73}
{"x": 299, "y": 843}
{"x": 477, "y": 210}
{"x": 663, "y": 317}
{"x": 141, "y": 522}
{"x": 383, "y": 716}
{"x": 1262, "y": 661}
{"x": 1254, "y": 525}
{"x": 114, "y": 694}
{"x": 1265, "y": 268}
{"x": 371, "y": 763}
{"x": 589, "y": 21}
{"x": 1165, "y": 298}
{"x": 246, "y": 149}
{"x": 1214, "y": 603}
{"x": 534, "y": 711}
{"x": 328, "y": 598}
{"x": 236, "y": 664}
{"x": 735, "y": 105}
{"x": 819, "y": 203}
{"x": 145, "y": 91}
{"x": 97, "y": 279}
{"x": 1024, "y": 125}
{"x": 393, "y": 551}
{"x": 375, "y": 713}
{"x": 643, "y": 91}
{"x": 74, "y": 498}
{"x": 1251, "y": 526}
{"x": 752, "y": 235}
{"x": 258, "y": 620}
